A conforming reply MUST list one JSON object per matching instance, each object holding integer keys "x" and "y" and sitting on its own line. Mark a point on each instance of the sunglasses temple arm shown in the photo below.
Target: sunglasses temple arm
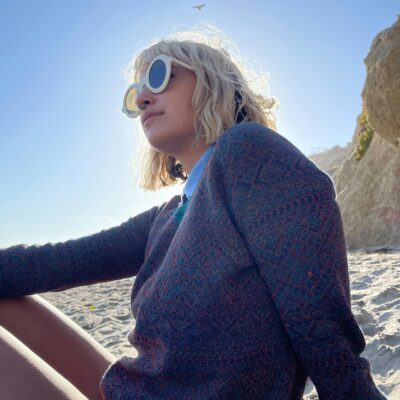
{"x": 184, "y": 65}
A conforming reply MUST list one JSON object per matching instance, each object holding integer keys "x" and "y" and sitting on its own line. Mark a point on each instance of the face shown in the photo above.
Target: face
{"x": 172, "y": 132}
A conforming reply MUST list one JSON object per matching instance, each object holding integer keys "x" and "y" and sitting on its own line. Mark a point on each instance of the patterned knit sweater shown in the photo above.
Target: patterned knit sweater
{"x": 241, "y": 296}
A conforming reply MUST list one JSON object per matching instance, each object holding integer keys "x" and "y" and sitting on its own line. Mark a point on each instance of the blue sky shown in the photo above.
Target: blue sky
{"x": 66, "y": 150}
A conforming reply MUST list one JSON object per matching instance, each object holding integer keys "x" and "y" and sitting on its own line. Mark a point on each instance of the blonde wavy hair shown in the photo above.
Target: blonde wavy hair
{"x": 221, "y": 74}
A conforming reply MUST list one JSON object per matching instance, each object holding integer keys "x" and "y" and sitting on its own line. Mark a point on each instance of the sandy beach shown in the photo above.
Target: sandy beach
{"x": 103, "y": 310}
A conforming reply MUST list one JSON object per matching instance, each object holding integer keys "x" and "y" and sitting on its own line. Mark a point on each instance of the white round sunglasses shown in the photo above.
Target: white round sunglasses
{"x": 156, "y": 80}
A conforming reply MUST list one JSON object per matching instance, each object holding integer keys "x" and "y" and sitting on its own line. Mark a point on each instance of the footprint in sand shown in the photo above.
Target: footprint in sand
{"x": 386, "y": 295}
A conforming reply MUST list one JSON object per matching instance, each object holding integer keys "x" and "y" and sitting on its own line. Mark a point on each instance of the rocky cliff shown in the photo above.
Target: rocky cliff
{"x": 368, "y": 180}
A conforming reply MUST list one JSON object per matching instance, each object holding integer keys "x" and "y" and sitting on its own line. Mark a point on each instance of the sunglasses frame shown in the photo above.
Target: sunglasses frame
{"x": 145, "y": 81}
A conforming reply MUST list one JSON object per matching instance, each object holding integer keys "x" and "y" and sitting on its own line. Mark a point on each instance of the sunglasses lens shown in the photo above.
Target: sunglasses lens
{"x": 131, "y": 105}
{"x": 157, "y": 74}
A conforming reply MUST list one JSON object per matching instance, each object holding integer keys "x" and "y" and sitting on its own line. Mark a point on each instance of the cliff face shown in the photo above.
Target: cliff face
{"x": 331, "y": 160}
{"x": 368, "y": 193}
{"x": 381, "y": 93}
{"x": 367, "y": 182}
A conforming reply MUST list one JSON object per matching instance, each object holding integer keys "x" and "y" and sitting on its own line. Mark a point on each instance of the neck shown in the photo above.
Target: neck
{"x": 191, "y": 155}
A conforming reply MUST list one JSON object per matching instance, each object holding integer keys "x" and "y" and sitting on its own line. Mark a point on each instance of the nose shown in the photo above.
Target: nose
{"x": 144, "y": 97}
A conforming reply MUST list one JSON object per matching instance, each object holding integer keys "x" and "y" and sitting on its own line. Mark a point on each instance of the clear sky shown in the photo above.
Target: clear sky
{"x": 66, "y": 150}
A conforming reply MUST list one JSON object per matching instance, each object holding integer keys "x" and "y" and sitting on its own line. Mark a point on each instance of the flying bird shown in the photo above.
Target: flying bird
{"x": 200, "y": 6}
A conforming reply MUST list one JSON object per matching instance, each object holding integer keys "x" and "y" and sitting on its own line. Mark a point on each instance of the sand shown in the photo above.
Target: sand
{"x": 103, "y": 310}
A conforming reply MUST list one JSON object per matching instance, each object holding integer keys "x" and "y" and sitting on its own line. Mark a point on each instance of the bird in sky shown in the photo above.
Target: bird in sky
{"x": 200, "y": 6}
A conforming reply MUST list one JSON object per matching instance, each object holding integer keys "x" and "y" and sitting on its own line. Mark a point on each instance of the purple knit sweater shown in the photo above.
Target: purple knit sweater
{"x": 241, "y": 296}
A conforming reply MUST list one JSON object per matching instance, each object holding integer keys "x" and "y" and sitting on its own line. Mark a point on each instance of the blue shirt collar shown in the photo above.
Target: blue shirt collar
{"x": 197, "y": 172}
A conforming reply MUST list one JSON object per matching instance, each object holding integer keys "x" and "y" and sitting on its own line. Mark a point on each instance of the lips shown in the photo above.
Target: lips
{"x": 151, "y": 114}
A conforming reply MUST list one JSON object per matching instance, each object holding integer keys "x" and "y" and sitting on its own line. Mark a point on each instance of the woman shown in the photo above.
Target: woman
{"x": 242, "y": 286}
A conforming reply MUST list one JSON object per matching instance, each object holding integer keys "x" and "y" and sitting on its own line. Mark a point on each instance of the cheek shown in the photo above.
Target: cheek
{"x": 181, "y": 121}
{"x": 187, "y": 95}
{"x": 181, "y": 111}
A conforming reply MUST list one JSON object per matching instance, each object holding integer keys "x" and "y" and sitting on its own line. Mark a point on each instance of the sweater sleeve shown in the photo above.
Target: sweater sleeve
{"x": 285, "y": 209}
{"x": 110, "y": 254}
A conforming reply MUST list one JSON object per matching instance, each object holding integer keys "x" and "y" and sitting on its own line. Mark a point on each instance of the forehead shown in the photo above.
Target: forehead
{"x": 175, "y": 67}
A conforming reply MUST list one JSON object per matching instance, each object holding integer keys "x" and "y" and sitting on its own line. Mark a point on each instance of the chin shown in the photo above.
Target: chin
{"x": 159, "y": 140}
{"x": 165, "y": 142}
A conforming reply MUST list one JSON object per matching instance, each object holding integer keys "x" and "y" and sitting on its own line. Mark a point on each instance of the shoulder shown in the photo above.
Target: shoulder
{"x": 258, "y": 140}
{"x": 247, "y": 131}
{"x": 252, "y": 148}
